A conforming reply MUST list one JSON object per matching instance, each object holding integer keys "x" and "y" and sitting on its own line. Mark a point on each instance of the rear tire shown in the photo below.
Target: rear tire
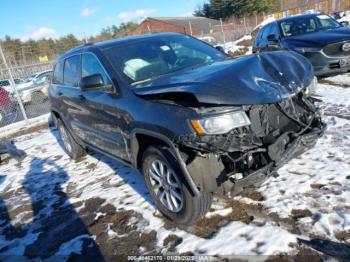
{"x": 70, "y": 146}
{"x": 182, "y": 207}
{"x": 38, "y": 98}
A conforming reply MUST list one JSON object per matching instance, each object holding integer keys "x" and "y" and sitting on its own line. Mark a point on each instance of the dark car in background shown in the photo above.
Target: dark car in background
{"x": 194, "y": 121}
{"x": 318, "y": 37}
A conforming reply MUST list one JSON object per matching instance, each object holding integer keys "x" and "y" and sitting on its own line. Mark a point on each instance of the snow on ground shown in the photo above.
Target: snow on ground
{"x": 22, "y": 126}
{"x": 233, "y": 45}
{"x": 51, "y": 205}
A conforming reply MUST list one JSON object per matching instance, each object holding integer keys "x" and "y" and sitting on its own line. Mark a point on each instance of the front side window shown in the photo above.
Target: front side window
{"x": 71, "y": 75}
{"x": 90, "y": 65}
{"x": 274, "y": 30}
{"x": 142, "y": 60}
{"x": 266, "y": 32}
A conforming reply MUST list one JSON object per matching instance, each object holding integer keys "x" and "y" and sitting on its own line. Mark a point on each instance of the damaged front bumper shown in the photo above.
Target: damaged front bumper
{"x": 245, "y": 157}
{"x": 291, "y": 150}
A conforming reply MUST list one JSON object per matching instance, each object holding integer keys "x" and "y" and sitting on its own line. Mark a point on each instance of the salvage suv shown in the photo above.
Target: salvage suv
{"x": 193, "y": 120}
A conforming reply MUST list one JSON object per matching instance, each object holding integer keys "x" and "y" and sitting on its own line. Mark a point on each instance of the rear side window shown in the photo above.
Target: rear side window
{"x": 71, "y": 72}
{"x": 58, "y": 73}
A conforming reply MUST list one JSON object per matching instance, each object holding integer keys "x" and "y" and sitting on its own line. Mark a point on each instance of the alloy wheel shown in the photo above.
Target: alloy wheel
{"x": 166, "y": 185}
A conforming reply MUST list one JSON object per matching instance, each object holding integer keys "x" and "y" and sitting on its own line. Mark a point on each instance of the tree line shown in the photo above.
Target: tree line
{"x": 224, "y": 9}
{"x": 18, "y": 52}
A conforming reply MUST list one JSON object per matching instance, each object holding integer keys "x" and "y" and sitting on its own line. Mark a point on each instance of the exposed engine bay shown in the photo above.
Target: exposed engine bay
{"x": 246, "y": 156}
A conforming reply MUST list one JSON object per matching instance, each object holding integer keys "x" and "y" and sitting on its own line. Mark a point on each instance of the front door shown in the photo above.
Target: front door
{"x": 102, "y": 119}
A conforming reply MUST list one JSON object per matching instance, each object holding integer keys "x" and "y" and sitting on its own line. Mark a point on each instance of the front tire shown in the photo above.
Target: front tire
{"x": 166, "y": 183}
{"x": 72, "y": 148}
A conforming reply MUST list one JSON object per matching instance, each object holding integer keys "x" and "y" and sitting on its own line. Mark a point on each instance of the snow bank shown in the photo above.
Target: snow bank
{"x": 239, "y": 47}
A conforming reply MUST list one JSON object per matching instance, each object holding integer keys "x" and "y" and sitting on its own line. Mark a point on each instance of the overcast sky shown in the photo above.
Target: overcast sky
{"x": 53, "y": 18}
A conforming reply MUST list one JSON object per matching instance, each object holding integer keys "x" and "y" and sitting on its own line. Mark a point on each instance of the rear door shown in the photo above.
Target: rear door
{"x": 68, "y": 92}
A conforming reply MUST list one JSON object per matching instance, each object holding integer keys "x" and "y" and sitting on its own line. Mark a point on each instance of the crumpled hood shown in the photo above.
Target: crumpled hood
{"x": 254, "y": 79}
{"x": 320, "y": 39}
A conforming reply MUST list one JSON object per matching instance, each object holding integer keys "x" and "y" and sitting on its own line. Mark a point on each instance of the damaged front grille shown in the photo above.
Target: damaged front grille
{"x": 291, "y": 115}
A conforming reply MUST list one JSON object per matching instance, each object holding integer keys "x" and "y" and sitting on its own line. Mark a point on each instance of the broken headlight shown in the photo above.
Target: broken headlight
{"x": 220, "y": 124}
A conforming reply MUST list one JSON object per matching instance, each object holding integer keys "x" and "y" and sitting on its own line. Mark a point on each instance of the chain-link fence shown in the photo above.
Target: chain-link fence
{"x": 23, "y": 90}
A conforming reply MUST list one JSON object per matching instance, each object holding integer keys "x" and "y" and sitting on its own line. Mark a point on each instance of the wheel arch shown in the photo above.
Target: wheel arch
{"x": 141, "y": 139}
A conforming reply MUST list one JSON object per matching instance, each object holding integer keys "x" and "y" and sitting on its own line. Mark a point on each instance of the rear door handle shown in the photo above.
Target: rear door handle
{"x": 59, "y": 93}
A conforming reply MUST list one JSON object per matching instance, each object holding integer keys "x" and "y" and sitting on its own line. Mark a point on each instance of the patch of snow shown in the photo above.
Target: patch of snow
{"x": 234, "y": 45}
{"x": 240, "y": 239}
{"x": 221, "y": 212}
{"x": 72, "y": 246}
{"x": 99, "y": 215}
{"x": 14, "y": 128}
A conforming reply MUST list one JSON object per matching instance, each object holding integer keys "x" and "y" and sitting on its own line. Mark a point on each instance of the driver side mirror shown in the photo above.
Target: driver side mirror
{"x": 91, "y": 83}
{"x": 272, "y": 38}
{"x": 220, "y": 48}
{"x": 345, "y": 23}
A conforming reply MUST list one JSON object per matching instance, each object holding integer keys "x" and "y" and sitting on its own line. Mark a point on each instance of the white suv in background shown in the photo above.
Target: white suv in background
{"x": 33, "y": 89}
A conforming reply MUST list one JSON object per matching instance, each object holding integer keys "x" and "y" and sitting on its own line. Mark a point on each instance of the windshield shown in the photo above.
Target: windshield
{"x": 153, "y": 57}
{"x": 299, "y": 25}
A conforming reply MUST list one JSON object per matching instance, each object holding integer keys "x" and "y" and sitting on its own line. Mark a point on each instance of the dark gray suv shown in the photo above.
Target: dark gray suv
{"x": 194, "y": 121}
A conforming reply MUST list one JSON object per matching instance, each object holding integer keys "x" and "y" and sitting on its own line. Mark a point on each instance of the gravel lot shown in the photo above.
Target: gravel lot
{"x": 51, "y": 206}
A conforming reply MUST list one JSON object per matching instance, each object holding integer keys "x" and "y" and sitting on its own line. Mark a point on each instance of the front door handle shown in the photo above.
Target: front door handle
{"x": 82, "y": 97}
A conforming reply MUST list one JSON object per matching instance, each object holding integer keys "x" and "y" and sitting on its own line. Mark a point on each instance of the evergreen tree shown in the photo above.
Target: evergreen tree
{"x": 224, "y": 9}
